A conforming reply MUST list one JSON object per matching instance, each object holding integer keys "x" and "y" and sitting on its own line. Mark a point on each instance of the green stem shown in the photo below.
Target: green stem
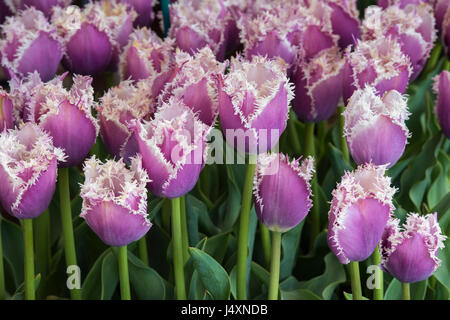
{"x": 275, "y": 266}
{"x": 184, "y": 230}
{"x": 166, "y": 15}
{"x": 178, "y": 250}
{"x": 41, "y": 226}
{"x": 29, "y": 259}
{"x": 309, "y": 136}
{"x": 166, "y": 213}
{"x": 378, "y": 292}
{"x": 344, "y": 147}
{"x": 123, "y": 274}
{"x": 2, "y": 270}
{"x": 265, "y": 240}
{"x": 406, "y": 295}
{"x": 356, "y": 281}
{"x": 143, "y": 253}
{"x": 244, "y": 226}
{"x": 293, "y": 135}
{"x": 67, "y": 227}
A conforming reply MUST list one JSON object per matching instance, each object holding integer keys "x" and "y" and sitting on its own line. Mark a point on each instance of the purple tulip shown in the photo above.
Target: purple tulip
{"x": 360, "y": 209}
{"x": 115, "y": 200}
{"x": 440, "y": 9}
{"x": 345, "y": 22}
{"x": 400, "y": 3}
{"x": 66, "y": 116}
{"x": 7, "y": 119}
{"x": 318, "y": 86}
{"x": 194, "y": 83}
{"x": 46, "y": 6}
{"x": 412, "y": 27}
{"x": 254, "y": 103}
{"x": 375, "y": 127}
{"x": 147, "y": 56}
{"x": 442, "y": 89}
{"x": 282, "y": 190}
{"x": 116, "y": 109}
{"x": 379, "y": 63}
{"x": 28, "y": 169}
{"x": 446, "y": 33}
{"x": 94, "y": 35}
{"x": 30, "y": 43}
{"x": 172, "y": 146}
{"x": 144, "y": 10}
{"x": 410, "y": 254}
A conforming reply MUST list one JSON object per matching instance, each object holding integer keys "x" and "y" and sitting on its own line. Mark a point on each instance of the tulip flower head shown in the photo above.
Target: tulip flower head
{"x": 344, "y": 17}
{"x": 144, "y": 10}
{"x": 173, "y": 148}
{"x": 116, "y": 109}
{"x": 194, "y": 83}
{"x": 440, "y": 9}
{"x": 115, "y": 200}
{"x": 28, "y": 169}
{"x": 30, "y": 43}
{"x": 6, "y": 111}
{"x": 446, "y": 32}
{"x": 412, "y": 27}
{"x": 318, "y": 85}
{"x": 66, "y": 116}
{"x": 410, "y": 253}
{"x": 46, "y": 6}
{"x": 360, "y": 209}
{"x": 254, "y": 102}
{"x": 379, "y": 63}
{"x": 375, "y": 127}
{"x": 400, "y": 3}
{"x": 442, "y": 89}
{"x": 282, "y": 190}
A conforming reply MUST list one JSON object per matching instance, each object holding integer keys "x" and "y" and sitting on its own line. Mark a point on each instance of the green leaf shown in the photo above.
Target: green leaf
{"x": 349, "y": 296}
{"x": 442, "y": 274}
{"x": 338, "y": 162}
{"x": 92, "y": 288}
{"x": 289, "y": 244}
{"x": 212, "y": 275}
{"x": 12, "y": 238}
{"x": 20, "y": 292}
{"x": 394, "y": 290}
{"x": 299, "y": 294}
{"x": 110, "y": 276}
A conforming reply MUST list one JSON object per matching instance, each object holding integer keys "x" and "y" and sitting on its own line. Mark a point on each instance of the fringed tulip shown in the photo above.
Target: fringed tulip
{"x": 318, "y": 86}
{"x": 282, "y": 190}
{"x": 115, "y": 200}
{"x": 46, "y": 6}
{"x": 66, "y": 116}
{"x": 440, "y": 9}
{"x": 147, "y": 56}
{"x": 412, "y": 27}
{"x": 254, "y": 100}
{"x": 194, "y": 83}
{"x": 94, "y": 35}
{"x": 116, "y": 109}
{"x": 410, "y": 253}
{"x": 6, "y": 111}
{"x": 360, "y": 209}
{"x": 442, "y": 89}
{"x": 446, "y": 33}
{"x": 144, "y": 10}
{"x": 172, "y": 146}
{"x": 28, "y": 169}
{"x": 345, "y": 22}
{"x": 375, "y": 126}
{"x": 30, "y": 43}
{"x": 400, "y": 3}
{"x": 379, "y": 63}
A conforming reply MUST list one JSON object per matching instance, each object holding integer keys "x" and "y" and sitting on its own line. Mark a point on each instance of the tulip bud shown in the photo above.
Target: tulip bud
{"x": 442, "y": 89}
{"x": 375, "y": 126}
{"x": 46, "y": 6}
{"x": 254, "y": 102}
{"x": 172, "y": 146}
{"x": 282, "y": 190}
{"x": 410, "y": 254}
{"x": 194, "y": 83}
{"x": 94, "y": 35}
{"x": 30, "y": 43}
{"x": 115, "y": 200}
{"x": 345, "y": 21}
{"x": 117, "y": 108}
{"x": 28, "y": 169}
{"x": 199, "y": 23}
{"x": 318, "y": 86}
{"x": 144, "y": 10}
{"x": 412, "y": 27}
{"x": 379, "y": 63}
{"x": 360, "y": 209}
{"x": 66, "y": 116}
{"x": 6, "y": 111}
{"x": 147, "y": 56}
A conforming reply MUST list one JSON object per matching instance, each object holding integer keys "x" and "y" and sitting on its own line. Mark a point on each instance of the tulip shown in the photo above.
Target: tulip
{"x": 375, "y": 127}
{"x": 66, "y": 116}
{"x": 30, "y": 43}
{"x": 144, "y": 10}
{"x": 94, "y": 35}
{"x": 442, "y": 89}
{"x": 46, "y": 6}
{"x": 400, "y": 3}
{"x": 412, "y": 27}
{"x": 254, "y": 101}
{"x": 116, "y": 109}
{"x": 147, "y": 56}
{"x": 446, "y": 33}
{"x": 194, "y": 83}
{"x": 379, "y": 63}
{"x": 6, "y": 111}
{"x": 345, "y": 21}
{"x": 440, "y": 9}
{"x": 410, "y": 253}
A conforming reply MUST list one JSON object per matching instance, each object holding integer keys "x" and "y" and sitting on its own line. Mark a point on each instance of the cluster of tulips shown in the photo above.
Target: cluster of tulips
{"x": 170, "y": 93}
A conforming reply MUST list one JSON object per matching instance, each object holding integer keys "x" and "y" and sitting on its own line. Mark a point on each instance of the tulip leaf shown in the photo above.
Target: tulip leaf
{"x": 299, "y": 294}
{"x": 20, "y": 292}
{"x": 91, "y": 288}
{"x": 12, "y": 239}
{"x": 442, "y": 274}
{"x": 289, "y": 244}
{"x": 394, "y": 290}
{"x": 212, "y": 275}
{"x": 338, "y": 162}
{"x": 109, "y": 277}
{"x": 349, "y": 296}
